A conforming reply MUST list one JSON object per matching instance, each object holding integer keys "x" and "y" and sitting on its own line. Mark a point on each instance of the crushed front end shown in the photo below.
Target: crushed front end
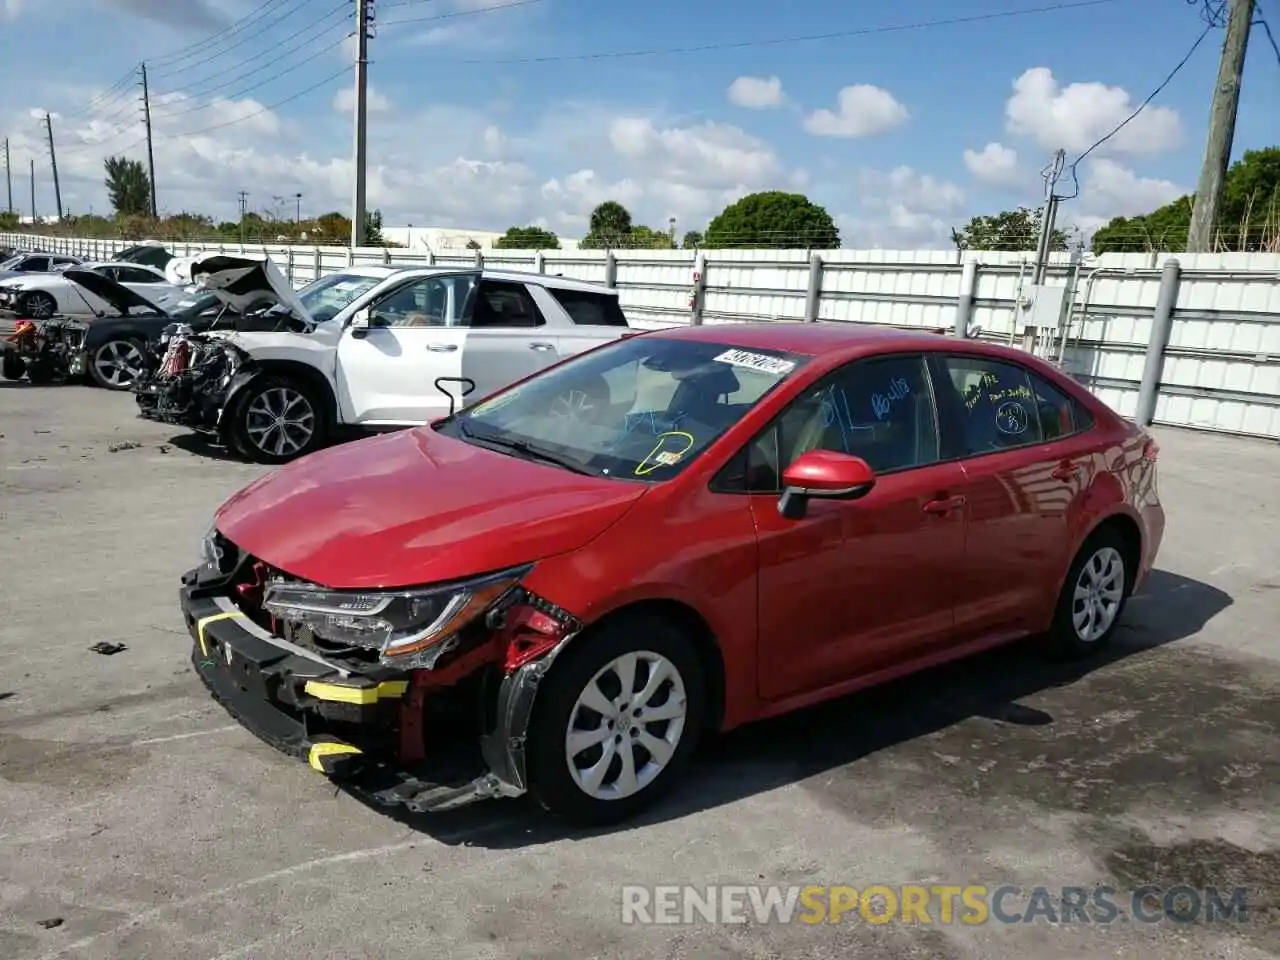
{"x": 189, "y": 383}
{"x": 46, "y": 350}
{"x": 417, "y": 698}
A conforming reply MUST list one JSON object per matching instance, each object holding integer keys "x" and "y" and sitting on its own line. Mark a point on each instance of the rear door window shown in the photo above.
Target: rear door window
{"x": 590, "y": 309}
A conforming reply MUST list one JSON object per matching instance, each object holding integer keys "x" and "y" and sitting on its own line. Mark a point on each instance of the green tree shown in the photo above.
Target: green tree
{"x": 610, "y": 226}
{"x": 773, "y": 219}
{"x": 128, "y": 186}
{"x": 528, "y": 238}
{"x": 1249, "y": 217}
{"x": 1008, "y": 230}
{"x": 646, "y": 238}
{"x": 692, "y": 238}
{"x": 8, "y": 221}
{"x": 373, "y": 229}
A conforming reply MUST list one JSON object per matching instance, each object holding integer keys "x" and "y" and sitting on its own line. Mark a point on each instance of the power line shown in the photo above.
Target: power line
{"x": 479, "y": 11}
{"x": 272, "y": 51}
{"x": 214, "y": 39}
{"x": 775, "y": 41}
{"x": 280, "y": 55}
{"x": 270, "y": 106}
{"x": 264, "y": 27}
{"x": 1266, "y": 27}
{"x": 1075, "y": 181}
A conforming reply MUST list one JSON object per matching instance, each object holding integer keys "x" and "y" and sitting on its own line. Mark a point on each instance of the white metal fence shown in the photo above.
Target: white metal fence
{"x": 1220, "y": 366}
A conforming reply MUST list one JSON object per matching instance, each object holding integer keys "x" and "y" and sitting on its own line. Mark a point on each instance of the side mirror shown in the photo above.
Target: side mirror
{"x": 360, "y": 319}
{"x": 825, "y": 475}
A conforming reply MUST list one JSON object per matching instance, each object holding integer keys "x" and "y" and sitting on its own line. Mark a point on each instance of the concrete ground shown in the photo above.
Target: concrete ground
{"x": 135, "y": 812}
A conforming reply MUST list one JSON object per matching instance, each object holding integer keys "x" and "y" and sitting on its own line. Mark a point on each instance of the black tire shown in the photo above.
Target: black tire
{"x": 12, "y": 366}
{"x": 242, "y": 433}
{"x": 120, "y": 346}
{"x": 551, "y": 783}
{"x": 40, "y": 372}
{"x": 1067, "y": 639}
{"x": 37, "y": 305}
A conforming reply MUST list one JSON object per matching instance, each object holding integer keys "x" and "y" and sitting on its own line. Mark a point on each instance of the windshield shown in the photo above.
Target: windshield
{"x": 13, "y": 262}
{"x": 642, "y": 408}
{"x": 326, "y": 297}
{"x": 190, "y": 307}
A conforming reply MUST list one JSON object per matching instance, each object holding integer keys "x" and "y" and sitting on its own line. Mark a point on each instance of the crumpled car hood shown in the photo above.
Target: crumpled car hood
{"x": 414, "y": 507}
{"x": 241, "y": 281}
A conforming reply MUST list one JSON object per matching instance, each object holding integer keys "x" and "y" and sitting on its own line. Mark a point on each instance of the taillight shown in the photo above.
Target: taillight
{"x": 1150, "y": 450}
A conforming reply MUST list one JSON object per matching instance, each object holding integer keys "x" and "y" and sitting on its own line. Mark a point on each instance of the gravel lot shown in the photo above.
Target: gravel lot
{"x": 132, "y": 809}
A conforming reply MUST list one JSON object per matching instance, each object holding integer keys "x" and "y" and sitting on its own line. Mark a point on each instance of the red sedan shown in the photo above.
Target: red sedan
{"x": 559, "y": 589}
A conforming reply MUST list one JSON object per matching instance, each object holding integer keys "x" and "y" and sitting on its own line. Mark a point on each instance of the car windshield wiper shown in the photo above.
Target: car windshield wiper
{"x": 527, "y": 450}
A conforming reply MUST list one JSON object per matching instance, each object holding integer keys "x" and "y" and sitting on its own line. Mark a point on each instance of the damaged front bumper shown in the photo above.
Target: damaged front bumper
{"x": 187, "y": 400}
{"x": 369, "y": 730}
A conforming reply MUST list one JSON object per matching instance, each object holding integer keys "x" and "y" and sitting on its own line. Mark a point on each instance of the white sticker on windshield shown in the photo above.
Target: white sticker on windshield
{"x": 757, "y": 361}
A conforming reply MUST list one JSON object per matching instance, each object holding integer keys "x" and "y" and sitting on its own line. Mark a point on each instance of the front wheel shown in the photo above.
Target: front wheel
{"x": 1094, "y": 595}
{"x": 616, "y": 721}
{"x": 277, "y": 419}
{"x": 117, "y": 364}
{"x": 12, "y": 366}
{"x": 37, "y": 306}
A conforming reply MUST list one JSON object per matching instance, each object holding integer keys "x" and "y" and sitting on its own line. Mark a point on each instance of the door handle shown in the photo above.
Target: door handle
{"x": 1066, "y": 471}
{"x": 442, "y": 347}
{"x": 944, "y": 506}
{"x": 541, "y": 345}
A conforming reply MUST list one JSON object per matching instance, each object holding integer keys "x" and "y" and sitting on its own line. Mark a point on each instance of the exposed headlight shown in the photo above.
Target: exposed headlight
{"x": 210, "y": 549}
{"x": 397, "y": 623}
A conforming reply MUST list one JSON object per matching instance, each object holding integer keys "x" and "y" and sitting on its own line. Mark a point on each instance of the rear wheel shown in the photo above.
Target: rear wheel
{"x": 38, "y": 306}
{"x": 40, "y": 371}
{"x": 1094, "y": 595}
{"x": 277, "y": 419}
{"x": 616, "y": 721}
{"x": 117, "y": 364}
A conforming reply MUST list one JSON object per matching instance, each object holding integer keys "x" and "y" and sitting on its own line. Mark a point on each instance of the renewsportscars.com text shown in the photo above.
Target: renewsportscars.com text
{"x": 970, "y": 904}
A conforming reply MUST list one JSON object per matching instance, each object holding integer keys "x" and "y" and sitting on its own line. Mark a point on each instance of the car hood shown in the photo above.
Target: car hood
{"x": 120, "y": 297}
{"x": 413, "y": 507}
{"x": 242, "y": 281}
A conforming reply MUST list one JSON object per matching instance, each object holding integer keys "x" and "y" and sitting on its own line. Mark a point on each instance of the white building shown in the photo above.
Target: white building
{"x": 442, "y": 239}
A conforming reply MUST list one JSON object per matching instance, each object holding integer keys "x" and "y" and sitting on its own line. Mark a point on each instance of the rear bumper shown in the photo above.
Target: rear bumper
{"x": 345, "y": 726}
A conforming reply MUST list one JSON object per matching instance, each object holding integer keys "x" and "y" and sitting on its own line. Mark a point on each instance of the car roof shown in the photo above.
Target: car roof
{"x": 832, "y": 336}
{"x": 384, "y": 270}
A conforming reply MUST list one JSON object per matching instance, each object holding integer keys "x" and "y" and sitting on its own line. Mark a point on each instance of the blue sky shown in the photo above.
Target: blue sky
{"x": 463, "y": 133}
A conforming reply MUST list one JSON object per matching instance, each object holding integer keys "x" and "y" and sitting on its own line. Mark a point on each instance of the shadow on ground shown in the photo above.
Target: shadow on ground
{"x": 199, "y": 445}
{"x": 834, "y": 737}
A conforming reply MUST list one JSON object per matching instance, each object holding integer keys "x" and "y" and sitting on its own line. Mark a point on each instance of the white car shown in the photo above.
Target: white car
{"x": 379, "y": 346}
{"x": 43, "y": 295}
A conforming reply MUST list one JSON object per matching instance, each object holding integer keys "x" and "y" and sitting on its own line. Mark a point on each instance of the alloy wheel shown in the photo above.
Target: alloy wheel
{"x": 625, "y": 726}
{"x": 1099, "y": 592}
{"x": 280, "y": 421}
{"x": 40, "y": 306}
{"x": 118, "y": 363}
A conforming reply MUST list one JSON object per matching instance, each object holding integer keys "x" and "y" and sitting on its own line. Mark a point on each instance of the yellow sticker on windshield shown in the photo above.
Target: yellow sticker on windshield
{"x": 668, "y": 451}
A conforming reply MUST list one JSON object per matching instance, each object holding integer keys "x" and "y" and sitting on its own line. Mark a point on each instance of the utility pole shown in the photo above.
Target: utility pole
{"x": 364, "y": 25}
{"x": 1222, "y": 128}
{"x": 53, "y": 160}
{"x": 151, "y": 157}
{"x": 8, "y": 173}
{"x": 33, "y": 191}
{"x": 244, "y": 206}
{"x": 297, "y": 216}
{"x": 1044, "y": 246}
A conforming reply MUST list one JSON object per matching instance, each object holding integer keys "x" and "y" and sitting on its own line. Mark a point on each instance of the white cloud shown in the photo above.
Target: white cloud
{"x": 344, "y": 101}
{"x": 11, "y": 9}
{"x": 187, "y": 14}
{"x": 1074, "y": 117}
{"x": 710, "y": 155}
{"x": 902, "y": 209}
{"x": 1111, "y": 190}
{"x": 862, "y": 111}
{"x": 994, "y": 164}
{"x": 756, "y": 93}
